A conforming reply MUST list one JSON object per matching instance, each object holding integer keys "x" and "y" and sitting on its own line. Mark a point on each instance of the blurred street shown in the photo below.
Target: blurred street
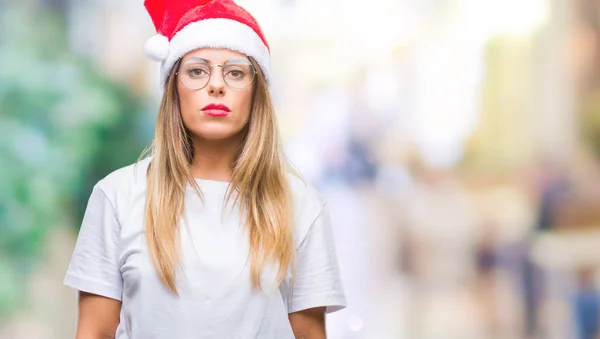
{"x": 457, "y": 143}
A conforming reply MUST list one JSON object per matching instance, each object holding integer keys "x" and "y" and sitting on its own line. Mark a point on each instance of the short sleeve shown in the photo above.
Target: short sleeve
{"x": 94, "y": 266}
{"x": 318, "y": 282}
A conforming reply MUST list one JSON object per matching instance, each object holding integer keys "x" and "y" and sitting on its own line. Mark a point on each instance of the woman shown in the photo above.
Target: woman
{"x": 210, "y": 236}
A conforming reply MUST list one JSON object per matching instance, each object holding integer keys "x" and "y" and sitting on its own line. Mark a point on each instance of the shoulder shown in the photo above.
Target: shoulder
{"x": 303, "y": 193}
{"x": 307, "y": 204}
{"x": 124, "y": 182}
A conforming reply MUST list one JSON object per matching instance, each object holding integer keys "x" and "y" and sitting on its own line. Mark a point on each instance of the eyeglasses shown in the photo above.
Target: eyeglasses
{"x": 195, "y": 73}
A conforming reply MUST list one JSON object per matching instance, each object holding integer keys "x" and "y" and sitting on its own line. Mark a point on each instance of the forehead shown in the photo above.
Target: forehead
{"x": 213, "y": 55}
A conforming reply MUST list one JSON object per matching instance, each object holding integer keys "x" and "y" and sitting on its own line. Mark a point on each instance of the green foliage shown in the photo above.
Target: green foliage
{"x": 63, "y": 126}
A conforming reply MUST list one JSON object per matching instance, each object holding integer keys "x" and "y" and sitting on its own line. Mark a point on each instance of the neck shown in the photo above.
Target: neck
{"x": 214, "y": 159}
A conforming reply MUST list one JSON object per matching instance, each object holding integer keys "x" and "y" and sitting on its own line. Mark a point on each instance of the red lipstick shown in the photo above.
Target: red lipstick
{"x": 216, "y": 110}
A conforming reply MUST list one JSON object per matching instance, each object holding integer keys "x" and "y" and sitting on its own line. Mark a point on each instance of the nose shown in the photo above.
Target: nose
{"x": 216, "y": 85}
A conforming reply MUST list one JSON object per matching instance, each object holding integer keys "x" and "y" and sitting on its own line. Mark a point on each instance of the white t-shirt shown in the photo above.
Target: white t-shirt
{"x": 216, "y": 296}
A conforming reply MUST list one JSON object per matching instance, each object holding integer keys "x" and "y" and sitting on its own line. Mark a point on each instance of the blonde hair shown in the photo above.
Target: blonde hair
{"x": 258, "y": 177}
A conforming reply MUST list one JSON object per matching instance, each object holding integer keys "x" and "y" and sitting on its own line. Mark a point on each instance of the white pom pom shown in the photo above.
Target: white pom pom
{"x": 157, "y": 47}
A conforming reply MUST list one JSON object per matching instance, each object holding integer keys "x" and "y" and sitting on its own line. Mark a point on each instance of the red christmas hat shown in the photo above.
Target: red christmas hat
{"x": 185, "y": 25}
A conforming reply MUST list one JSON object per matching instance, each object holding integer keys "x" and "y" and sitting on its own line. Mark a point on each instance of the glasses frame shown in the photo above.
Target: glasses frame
{"x": 210, "y": 66}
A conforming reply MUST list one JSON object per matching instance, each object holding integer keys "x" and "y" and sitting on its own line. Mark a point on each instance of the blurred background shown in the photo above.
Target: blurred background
{"x": 456, "y": 141}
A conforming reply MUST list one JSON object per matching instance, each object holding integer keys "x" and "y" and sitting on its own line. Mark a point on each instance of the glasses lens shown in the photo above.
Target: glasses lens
{"x": 194, "y": 75}
{"x": 238, "y": 73}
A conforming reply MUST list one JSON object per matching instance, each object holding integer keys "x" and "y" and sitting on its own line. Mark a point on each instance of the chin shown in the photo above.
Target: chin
{"x": 216, "y": 133}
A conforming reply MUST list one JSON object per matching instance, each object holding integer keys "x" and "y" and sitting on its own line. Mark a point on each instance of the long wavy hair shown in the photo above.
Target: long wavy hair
{"x": 262, "y": 192}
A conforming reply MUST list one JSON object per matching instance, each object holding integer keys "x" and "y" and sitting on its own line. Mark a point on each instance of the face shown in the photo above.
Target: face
{"x": 221, "y": 109}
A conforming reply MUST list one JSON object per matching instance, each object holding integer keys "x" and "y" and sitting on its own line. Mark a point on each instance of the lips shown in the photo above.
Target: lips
{"x": 216, "y": 110}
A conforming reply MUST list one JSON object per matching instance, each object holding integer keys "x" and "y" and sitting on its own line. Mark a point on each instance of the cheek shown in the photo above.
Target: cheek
{"x": 246, "y": 105}
{"x": 187, "y": 104}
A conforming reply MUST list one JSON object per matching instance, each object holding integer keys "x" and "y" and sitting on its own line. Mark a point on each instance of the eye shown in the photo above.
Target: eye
{"x": 196, "y": 72}
{"x": 236, "y": 73}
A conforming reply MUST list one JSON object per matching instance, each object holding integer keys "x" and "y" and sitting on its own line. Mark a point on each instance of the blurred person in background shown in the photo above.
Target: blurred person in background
{"x": 486, "y": 267}
{"x": 212, "y": 235}
{"x": 586, "y": 305}
{"x": 554, "y": 188}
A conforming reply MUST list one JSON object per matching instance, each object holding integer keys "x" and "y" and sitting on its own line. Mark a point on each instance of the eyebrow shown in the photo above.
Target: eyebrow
{"x": 198, "y": 59}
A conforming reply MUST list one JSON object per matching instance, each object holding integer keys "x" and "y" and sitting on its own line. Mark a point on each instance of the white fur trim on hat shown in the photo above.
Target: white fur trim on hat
{"x": 157, "y": 47}
{"x": 216, "y": 33}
